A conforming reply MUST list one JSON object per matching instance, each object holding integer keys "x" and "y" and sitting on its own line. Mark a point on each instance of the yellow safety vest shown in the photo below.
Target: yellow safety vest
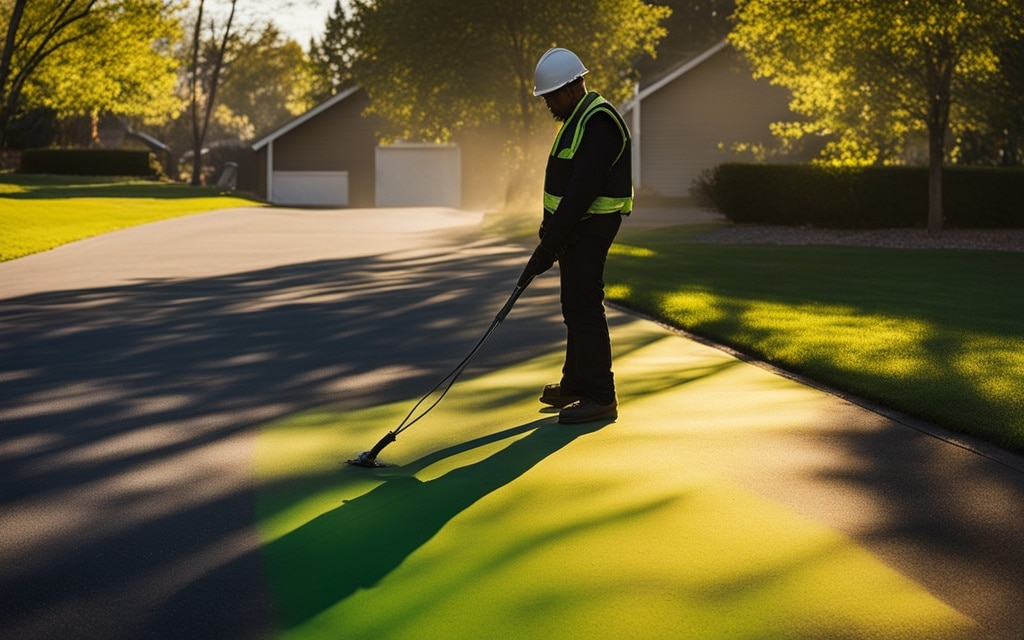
{"x": 617, "y": 195}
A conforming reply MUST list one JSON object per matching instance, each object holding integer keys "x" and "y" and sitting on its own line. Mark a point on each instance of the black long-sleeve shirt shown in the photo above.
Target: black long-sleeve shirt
{"x": 597, "y": 152}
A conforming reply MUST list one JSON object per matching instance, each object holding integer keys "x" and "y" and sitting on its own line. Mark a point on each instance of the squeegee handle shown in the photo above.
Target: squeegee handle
{"x": 524, "y": 281}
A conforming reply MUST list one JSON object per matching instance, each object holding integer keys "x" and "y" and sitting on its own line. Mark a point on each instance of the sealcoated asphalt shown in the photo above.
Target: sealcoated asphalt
{"x": 137, "y": 369}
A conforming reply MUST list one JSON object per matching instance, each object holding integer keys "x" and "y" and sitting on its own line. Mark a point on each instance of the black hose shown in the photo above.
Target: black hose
{"x": 369, "y": 458}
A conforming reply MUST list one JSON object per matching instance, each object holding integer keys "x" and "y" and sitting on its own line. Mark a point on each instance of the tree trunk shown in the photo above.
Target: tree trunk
{"x": 5, "y": 118}
{"x": 193, "y": 94}
{"x": 940, "y": 60}
{"x": 935, "y": 153}
{"x": 5, "y": 68}
{"x": 199, "y": 131}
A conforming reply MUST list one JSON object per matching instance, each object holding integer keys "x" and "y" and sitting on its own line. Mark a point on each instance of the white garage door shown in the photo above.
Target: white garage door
{"x": 310, "y": 188}
{"x": 419, "y": 175}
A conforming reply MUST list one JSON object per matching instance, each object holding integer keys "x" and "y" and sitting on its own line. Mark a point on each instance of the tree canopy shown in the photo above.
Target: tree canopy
{"x": 81, "y": 56}
{"x": 874, "y": 76}
{"x": 433, "y": 69}
{"x": 878, "y": 78}
{"x": 266, "y": 79}
{"x": 122, "y": 64}
{"x": 331, "y": 56}
{"x": 693, "y": 27}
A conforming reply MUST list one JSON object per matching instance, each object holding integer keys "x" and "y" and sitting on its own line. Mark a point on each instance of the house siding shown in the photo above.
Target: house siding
{"x": 339, "y": 139}
{"x": 692, "y": 123}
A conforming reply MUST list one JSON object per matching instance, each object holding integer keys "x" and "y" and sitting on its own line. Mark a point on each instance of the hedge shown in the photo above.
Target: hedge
{"x": 861, "y": 198}
{"x": 88, "y": 162}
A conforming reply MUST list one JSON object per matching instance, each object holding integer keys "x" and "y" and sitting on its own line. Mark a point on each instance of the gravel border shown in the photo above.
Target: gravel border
{"x": 968, "y": 239}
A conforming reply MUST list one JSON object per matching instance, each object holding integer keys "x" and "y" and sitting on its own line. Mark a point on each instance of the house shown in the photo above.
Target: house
{"x": 329, "y": 157}
{"x": 691, "y": 119}
{"x": 324, "y": 157}
{"x": 686, "y": 121}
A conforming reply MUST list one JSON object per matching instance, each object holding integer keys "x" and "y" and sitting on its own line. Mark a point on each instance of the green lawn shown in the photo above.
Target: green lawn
{"x": 937, "y": 334}
{"x": 38, "y": 213}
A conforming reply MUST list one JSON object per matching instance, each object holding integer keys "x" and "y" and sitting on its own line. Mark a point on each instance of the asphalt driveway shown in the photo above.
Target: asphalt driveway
{"x": 136, "y": 367}
{"x": 133, "y": 367}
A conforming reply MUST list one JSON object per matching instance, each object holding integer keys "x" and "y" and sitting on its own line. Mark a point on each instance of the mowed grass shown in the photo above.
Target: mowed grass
{"x": 937, "y": 334}
{"x": 38, "y": 213}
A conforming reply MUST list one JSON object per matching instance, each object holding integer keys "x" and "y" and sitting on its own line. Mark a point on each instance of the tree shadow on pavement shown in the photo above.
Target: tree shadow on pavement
{"x": 947, "y": 517}
{"x": 119, "y": 404}
{"x": 942, "y": 515}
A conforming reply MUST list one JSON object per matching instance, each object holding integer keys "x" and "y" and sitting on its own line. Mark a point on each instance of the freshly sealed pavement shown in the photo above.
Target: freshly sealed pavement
{"x": 136, "y": 368}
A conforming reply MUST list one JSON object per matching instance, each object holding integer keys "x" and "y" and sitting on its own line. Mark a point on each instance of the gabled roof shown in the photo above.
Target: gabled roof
{"x": 309, "y": 115}
{"x": 672, "y": 75}
{"x": 149, "y": 140}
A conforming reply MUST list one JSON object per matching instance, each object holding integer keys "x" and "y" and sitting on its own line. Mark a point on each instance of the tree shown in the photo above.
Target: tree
{"x": 33, "y": 33}
{"x": 125, "y": 66}
{"x": 331, "y": 57}
{"x": 874, "y": 76}
{"x": 438, "y": 70}
{"x": 203, "y": 80}
{"x": 694, "y": 26}
{"x": 1006, "y": 112}
{"x": 266, "y": 78}
{"x": 433, "y": 69}
{"x": 81, "y": 56}
{"x": 995, "y": 133}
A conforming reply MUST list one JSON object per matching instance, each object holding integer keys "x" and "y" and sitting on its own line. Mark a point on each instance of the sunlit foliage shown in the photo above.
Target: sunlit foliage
{"x": 433, "y": 69}
{"x": 88, "y": 56}
{"x": 880, "y": 80}
{"x": 266, "y": 78}
{"x": 121, "y": 62}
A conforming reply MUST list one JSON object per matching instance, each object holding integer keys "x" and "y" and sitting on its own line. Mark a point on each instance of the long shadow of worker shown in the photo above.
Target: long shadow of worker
{"x": 357, "y": 544}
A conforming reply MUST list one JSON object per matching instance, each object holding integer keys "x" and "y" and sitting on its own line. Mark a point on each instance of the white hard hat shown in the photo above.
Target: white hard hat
{"x": 555, "y": 69}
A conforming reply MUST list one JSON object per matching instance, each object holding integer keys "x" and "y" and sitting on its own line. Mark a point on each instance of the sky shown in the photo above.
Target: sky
{"x": 305, "y": 19}
{"x": 298, "y": 19}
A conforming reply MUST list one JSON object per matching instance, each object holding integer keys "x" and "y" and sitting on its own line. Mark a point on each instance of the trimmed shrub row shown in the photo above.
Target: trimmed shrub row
{"x": 861, "y": 198}
{"x": 89, "y": 162}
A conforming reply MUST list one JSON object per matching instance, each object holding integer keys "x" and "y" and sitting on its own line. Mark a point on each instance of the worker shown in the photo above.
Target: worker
{"x": 587, "y": 190}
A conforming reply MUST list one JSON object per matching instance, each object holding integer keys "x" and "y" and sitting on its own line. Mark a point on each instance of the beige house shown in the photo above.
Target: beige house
{"x": 691, "y": 118}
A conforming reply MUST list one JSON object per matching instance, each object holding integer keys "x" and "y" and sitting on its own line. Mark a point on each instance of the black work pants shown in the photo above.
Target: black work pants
{"x": 587, "y": 370}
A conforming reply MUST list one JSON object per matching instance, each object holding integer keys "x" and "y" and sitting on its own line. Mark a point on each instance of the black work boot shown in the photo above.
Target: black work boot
{"x": 553, "y": 396}
{"x": 587, "y": 410}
